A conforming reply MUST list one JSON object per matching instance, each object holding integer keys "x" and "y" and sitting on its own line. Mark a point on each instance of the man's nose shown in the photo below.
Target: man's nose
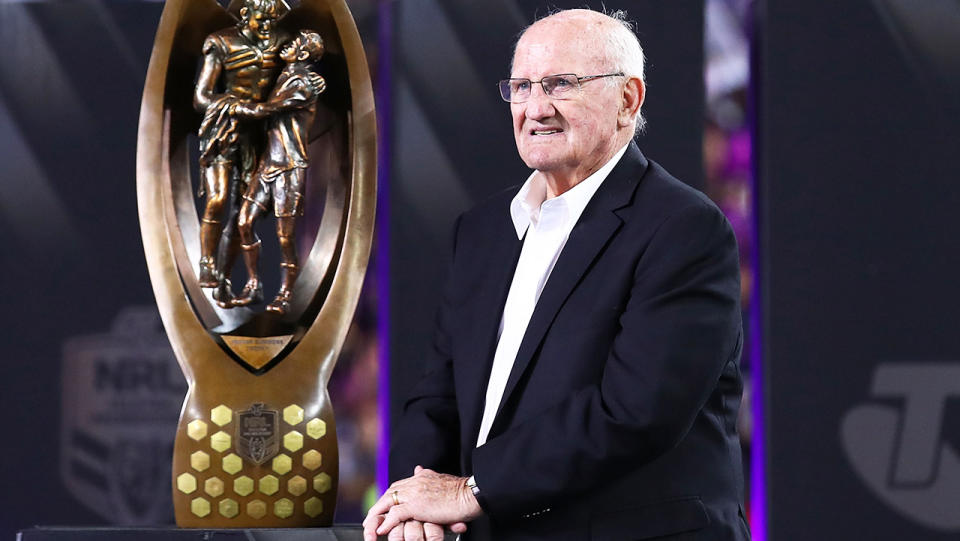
{"x": 539, "y": 104}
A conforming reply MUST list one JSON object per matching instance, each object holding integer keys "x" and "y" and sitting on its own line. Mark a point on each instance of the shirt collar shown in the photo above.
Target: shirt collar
{"x": 526, "y": 205}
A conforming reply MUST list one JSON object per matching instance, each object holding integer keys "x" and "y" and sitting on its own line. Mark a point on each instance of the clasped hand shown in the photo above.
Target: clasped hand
{"x": 417, "y": 508}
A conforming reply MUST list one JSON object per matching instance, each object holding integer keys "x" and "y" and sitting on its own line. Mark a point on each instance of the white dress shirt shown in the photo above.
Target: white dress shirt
{"x": 547, "y": 224}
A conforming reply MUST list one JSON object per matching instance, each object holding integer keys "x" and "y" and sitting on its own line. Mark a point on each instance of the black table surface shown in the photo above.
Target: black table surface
{"x": 65, "y": 533}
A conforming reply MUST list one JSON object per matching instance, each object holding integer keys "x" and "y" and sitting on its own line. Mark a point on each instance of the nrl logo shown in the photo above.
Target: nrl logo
{"x": 899, "y": 450}
{"x": 122, "y": 392}
{"x": 257, "y": 429}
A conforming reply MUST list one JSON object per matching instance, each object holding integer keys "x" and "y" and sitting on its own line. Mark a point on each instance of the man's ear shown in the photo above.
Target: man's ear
{"x": 631, "y": 99}
{"x": 243, "y": 13}
{"x": 303, "y": 55}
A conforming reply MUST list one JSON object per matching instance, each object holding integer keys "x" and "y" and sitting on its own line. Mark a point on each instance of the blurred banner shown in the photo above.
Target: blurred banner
{"x": 121, "y": 393}
{"x": 858, "y": 138}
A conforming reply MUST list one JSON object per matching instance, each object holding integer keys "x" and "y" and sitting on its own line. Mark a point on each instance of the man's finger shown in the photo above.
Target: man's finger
{"x": 417, "y": 469}
{"x": 432, "y": 532}
{"x": 396, "y": 534}
{"x": 370, "y": 527}
{"x": 413, "y": 530}
{"x": 372, "y": 521}
{"x": 383, "y": 504}
{"x": 393, "y": 517}
{"x": 458, "y": 527}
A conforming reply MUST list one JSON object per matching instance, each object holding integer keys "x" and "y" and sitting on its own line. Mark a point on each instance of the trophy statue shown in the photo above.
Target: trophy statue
{"x": 276, "y": 124}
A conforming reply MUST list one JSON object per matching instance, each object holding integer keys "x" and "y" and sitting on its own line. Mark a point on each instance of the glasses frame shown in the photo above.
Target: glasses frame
{"x": 504, "y": 85}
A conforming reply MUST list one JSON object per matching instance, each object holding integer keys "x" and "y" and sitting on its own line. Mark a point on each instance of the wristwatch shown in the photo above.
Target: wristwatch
{"x": 472, "y": 485}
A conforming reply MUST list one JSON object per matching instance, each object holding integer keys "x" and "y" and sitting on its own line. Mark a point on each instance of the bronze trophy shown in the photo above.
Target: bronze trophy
{"x": 257, "y": 111}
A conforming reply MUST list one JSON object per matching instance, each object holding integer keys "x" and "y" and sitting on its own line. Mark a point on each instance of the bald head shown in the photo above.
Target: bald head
{"x": 606, "y": 40}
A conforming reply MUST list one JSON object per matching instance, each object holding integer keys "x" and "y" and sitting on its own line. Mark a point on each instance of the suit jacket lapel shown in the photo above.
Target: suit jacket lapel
{"x": 498, "y": 264}
{"x": 593, "y": 230}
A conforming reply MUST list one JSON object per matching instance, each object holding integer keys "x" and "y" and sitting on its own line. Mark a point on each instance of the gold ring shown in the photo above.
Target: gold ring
{"x": 396, "y": 499}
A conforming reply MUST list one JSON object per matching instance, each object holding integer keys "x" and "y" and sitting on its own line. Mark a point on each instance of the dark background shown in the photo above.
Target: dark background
{"x": 858, "y": 141}
{"x": 72, "y": 259}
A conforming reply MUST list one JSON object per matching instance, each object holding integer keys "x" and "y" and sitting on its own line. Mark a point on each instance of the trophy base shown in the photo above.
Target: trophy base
{"x": 264, "y": 462}
{"x": 336, "y": 533}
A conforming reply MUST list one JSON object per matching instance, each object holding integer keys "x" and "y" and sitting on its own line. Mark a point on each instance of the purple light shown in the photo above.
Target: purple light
{"x": 383, "y": 101}
{"x": 758, "y": 486}
{"x": 758, "y": 466}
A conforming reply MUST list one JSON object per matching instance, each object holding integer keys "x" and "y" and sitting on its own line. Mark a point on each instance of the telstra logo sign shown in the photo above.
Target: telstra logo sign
{"x": 899, "y": 451}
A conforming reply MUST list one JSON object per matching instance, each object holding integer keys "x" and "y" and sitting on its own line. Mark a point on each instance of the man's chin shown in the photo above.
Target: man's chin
{"x": 542, "y": 161}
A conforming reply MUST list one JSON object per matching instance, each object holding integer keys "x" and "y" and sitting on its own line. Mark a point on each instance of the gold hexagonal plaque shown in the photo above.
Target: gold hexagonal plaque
{"x": 200, "y": 507}
{"x": 297, "y": 485}
{"x": 197, "y": 430}
{"x": 186, "y": 483}
{"x": 282, "y": 464}
{"x": 313, "y": 507}
{"x": 269, "y": 485}
{"x": 293, "y": 414}
{"x": 316, "y": 428}
{"x": 283, "y": 508}
{"x": 312, "y": 459}
{"x": 293, "y": 440}
{"x": 213, "y": 487}
{"x": 256, "y": 509}
{"x": 228, "y": 508}
{"x": 220, "y": 441}
{"x": 200, "y": 461}
{"x": 243, "y": 485}
{"x": 221, "y": 415}
{"x": 232, "y": 464}
{"x": 322, "y": 483}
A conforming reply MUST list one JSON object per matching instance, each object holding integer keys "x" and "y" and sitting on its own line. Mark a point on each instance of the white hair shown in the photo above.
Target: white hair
{"x": 624, "y": 51}
{"x": 619, "y": 44}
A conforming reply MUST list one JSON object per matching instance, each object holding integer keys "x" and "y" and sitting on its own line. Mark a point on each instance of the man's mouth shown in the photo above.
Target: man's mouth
{"x": 545, "y": 132}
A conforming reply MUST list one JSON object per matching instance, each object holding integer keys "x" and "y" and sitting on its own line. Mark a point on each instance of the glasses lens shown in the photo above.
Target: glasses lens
{"x": 519, "y": 89}
{"x": 560, "y": 86}
{"x": 505, "y": 92}
{"x": 515, "y": 90}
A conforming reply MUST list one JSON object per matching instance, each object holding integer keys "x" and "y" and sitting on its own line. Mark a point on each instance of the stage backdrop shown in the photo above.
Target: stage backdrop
{"x": 860, "y": 103}
{"x": 451, "y": 144}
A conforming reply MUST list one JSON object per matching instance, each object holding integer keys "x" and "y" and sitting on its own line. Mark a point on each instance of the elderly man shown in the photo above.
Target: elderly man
{"x": 584, "y": 381}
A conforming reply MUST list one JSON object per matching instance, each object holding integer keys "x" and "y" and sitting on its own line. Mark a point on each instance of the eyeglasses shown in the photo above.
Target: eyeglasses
{"x": 559, "y": 87}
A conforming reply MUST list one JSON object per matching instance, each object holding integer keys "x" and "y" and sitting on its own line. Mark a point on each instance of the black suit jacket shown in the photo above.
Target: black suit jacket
{"x": 619, "y": 416}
